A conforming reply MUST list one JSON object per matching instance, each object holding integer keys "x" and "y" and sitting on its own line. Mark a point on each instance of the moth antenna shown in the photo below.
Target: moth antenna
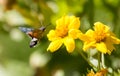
{"x": 41, "y": 23}
{"x": 43, "y": 27}
{"x": 48, "y": 25}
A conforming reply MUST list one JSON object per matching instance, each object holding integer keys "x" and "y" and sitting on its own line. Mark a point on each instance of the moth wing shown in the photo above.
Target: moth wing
{"x": 26, "y": 30}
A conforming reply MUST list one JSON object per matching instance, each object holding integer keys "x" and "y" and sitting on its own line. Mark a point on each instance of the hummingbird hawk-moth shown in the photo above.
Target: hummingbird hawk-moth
{"x": 34, "y": 33}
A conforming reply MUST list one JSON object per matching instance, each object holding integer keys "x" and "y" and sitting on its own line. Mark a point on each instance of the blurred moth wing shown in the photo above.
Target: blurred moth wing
{"x": 25, "y": 29}
{"x": 34, "y": 34}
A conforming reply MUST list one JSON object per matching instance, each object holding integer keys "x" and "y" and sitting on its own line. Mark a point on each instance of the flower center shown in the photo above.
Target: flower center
{"x": 100, "y": 36}
{"x": 62, "y": 32}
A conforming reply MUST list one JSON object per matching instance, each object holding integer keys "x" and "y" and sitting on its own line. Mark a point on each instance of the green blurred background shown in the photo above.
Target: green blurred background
{"x": 18, "y": 59}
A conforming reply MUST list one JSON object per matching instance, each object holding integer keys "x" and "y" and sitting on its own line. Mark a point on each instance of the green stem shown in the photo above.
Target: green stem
{"x": 99, "y": 60}
{"x": 85, "y": 58}
{"x": 103, "y": 60}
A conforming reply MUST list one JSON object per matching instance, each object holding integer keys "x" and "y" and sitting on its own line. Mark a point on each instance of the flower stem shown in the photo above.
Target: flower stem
{"x": 99, "y": 60}
{"x": 103, "y": 60}
{"x": 85, "y": 58}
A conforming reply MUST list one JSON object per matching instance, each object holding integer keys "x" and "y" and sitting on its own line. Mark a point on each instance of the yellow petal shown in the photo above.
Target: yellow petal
{"x": 101, "y": 27}
{"x": 112, "y": 34}
{"x": 55, "y": 45}
{"x": 115, "y": 40}
{"x": 88, "y": 45}
{"x": 90, "y": 33}
{"x": 52, "y": 35}
{"x": 69, "y": 43}
{"x": 88, "y": 36}
{"x": 109, "y": 45}
{"x": 67, "y": 20}
{"x": 91, "y": 73}
{"x": 62, "y": 22}
{"x": 101, "y": 47}
{"x": 74, "y": 33}
{"x": 74, "y": 23}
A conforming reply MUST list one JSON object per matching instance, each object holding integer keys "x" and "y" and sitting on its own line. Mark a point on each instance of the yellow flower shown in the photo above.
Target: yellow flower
{"x": 67, "y": 29}
{"x": 91, "y": 73}
{"x": 102, "y": 72}
{"x": 100, "y": 38}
